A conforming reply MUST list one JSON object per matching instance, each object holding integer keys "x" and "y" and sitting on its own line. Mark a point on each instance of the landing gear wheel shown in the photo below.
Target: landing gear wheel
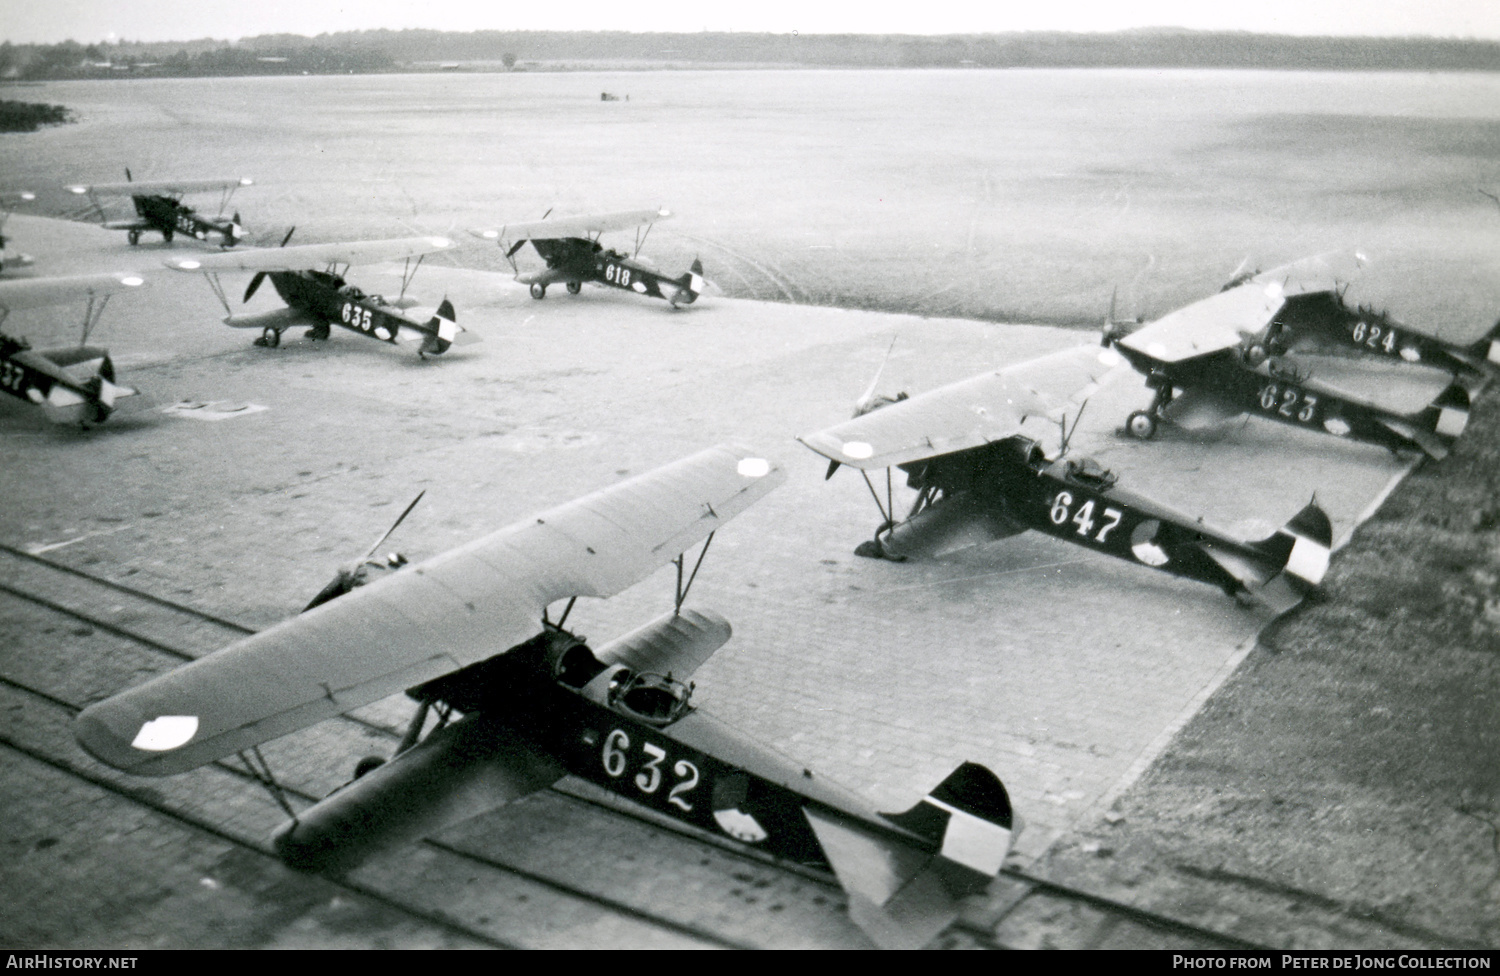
{"x": 270, "y": 339}
{"x": 368, "y": 765}
{"x": 1141, "y": 425}
{"x": 574, "y": 287}
{"x": 1256, "y": 355}
{"x": 134, "y": 237}
{"x": 538, "y": 290}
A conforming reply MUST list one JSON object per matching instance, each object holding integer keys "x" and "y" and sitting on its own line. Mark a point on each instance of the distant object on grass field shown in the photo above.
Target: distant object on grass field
{"x": 30, "y": 116}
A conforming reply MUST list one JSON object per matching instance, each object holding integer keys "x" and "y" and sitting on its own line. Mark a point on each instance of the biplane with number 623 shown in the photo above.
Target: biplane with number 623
{"x": 470, "y": 634}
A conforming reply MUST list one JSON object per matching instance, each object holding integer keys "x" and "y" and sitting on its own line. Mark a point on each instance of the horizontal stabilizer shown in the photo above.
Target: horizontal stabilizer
{"x": 969, "y": 816}
{"x": 675, "y": 643}
{"x": 1290, "y": 564}
{"x": 1435, "y": 429}
{"x": 1200, "y": 408}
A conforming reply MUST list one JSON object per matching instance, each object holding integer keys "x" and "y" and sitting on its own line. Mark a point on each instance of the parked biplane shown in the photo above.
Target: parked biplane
{"x": 1219, "y": 358}
{"x": 310, "y": 279}
{"x": 619, "y": 715}
{"x": 571, "y": 248}
{"x": 9, "y": 202}
{"x": 978, "y": 479}
{"x": 71, "y": 385}
{"x": 159, "y": 207}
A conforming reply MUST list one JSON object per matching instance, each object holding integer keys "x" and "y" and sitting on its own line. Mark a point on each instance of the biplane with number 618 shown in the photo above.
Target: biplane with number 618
{"x": 978, "y": 479}
{"x": 469, "y": 633}
{"x": 571, "y": 248}
{"x": 322, "y": 298}
{"x": 71, "y": 385}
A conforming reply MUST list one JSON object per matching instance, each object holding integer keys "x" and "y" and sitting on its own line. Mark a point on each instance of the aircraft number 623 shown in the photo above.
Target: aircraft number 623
{"x": 649, "y": 779}
{"x": 1288, "y": 401}
{"x": 1062, "y": 513}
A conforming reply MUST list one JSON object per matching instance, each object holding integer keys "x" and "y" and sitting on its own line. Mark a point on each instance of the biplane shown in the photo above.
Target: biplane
{"x": 510, "y": 722}
{"x": 9, "y": 202}
{"x": 1220, "y": 358}
{"x": 310, "y": 279}
{"x": 978, "y": 479}
{"x": 571, "y": 248}
{"x": 71, "y": 385}
{"x": 159, "y": 207}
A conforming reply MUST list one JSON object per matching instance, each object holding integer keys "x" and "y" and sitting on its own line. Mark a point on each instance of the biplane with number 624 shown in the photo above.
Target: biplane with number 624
{"x": 470, "y": 634}
{"x": 310, "y": 279}
{"x": 571, "y": 248}
{"x": 978, "y": 479}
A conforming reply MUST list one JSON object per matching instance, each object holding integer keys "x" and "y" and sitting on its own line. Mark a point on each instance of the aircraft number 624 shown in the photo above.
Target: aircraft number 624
{"x": 1369, "y": 336}
{"x": 649, "y": 778}
{"x": 1062, "y": 513}
{"x": 1288, "y": 401}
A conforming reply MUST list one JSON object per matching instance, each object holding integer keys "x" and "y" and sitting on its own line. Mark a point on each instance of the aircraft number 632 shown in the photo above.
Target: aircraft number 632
{"x": 12, "y": 377}
{"x": 617, "y": 274}
{"x": 1062, "y": 513}
{"x": 1288, "y": 401}
{"x": 649, "y": 779}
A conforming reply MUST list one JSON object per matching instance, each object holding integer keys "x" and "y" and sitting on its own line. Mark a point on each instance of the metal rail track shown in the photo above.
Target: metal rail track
{"x": 151, "y": 622}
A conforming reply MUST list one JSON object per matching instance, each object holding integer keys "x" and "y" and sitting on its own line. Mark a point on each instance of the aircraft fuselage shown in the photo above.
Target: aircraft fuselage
{"x": 575, "y": 260}
{"x": 38, "y": 378}
{"x": 1325, "y": 316}
{"x": 170, "y": 217}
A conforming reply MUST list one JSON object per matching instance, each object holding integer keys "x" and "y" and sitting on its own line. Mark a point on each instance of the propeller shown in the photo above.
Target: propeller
{"x": 254, "y": 284}
{"x": 351, "y": 575}
{"x": 128, "y": 178}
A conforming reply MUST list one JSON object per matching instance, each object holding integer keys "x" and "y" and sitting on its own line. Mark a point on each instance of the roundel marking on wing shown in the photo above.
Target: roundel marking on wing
{"x": 1110, "y": 358}
{"x": 189, "y": 264}
{"x": 753, "y": 467}
{"x": 132, "y": 281}
{"x": 741, "y": 826}
{"x": 165, "y": 732}
{"x": 858, "y": 450}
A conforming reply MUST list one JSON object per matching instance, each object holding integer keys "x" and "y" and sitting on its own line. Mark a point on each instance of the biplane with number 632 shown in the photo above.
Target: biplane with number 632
{"x": 469, "y": 634}
{"x": 159, "y": 207}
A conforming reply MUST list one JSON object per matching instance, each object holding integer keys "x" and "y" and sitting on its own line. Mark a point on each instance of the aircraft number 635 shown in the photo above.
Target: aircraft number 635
{"x": 1288, "y": 401}
{"x": 617, "y": 274}
{"x": 649, "y": 778}
{"x": 356, "y": 316}
{"x": 1062, "y": 513}
{"x": 12, "y": 377}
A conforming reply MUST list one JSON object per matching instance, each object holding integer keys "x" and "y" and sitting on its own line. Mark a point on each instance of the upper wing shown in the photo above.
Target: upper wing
{"x": 1322, "y": 272}
{"x": 41, "y": 292}
{"x": 1212, "y": 325}
{"x": 580, "y": 226}
{"x": 305, "y": 256}
{"x": 969, "y": 413}
{"x": 159, "y": 187}
{"x": 423, "y": 622}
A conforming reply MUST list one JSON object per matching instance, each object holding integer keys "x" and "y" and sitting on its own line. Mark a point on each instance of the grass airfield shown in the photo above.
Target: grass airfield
{"x": 1066, "y": 673}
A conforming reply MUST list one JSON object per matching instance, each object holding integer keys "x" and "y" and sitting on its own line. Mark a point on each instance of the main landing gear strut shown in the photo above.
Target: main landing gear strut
{"x": 1142, "y": 424}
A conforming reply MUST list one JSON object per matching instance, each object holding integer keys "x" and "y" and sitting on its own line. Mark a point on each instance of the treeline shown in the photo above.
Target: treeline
{"x": 385, "y": 50}
{"x": 30, "y": 116}
{"x": 36, "y": 62}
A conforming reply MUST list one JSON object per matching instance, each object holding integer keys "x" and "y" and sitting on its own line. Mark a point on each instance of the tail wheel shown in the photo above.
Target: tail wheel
{"x": 538, "y": 290}
{"x": 1141, "y": 425}
{"x": 134, "y": 237}
{"x": 368, "y": 765}
{"x": 574, "y": 287}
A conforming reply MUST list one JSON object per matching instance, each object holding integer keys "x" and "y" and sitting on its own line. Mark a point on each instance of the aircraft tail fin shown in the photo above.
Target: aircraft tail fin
{"x": 1300, "y": 550}
{"x": 1487, "y": 349}
{"x": 1436, "y": 428}
{"x": 445, "y": 330}
{"x": 902, "y": 895}
{"x": 690, "y": 285}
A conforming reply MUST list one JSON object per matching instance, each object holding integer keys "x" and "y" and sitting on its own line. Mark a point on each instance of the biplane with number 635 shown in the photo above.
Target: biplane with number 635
{"x": 470, "y": 634}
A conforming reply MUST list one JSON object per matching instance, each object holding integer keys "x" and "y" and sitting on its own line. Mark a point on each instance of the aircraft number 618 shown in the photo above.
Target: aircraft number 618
{"x": 1288, "y": 401}
{"x": 1062, "y": 513}
{"x": 617, "y": 274}
{"x": 649, "y": 778}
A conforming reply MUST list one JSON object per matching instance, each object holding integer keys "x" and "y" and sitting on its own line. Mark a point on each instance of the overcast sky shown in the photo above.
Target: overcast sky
{"x": 32, "y": 21}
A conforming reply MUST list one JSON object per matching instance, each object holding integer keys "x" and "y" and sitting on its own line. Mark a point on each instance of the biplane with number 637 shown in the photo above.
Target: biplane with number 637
{"x": 470, "y": 634}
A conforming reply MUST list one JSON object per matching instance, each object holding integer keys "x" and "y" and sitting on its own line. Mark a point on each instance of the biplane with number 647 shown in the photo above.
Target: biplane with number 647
{"x": 470, "y": 634}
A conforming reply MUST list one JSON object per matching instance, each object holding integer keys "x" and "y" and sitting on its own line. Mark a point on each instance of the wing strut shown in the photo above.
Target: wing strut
{"x": 266, "y": 778}
{"x": 408, "y": 272}
{"x": 885, "y": 513}
{"x": 640, "y": 238}
{"x": 682, "y": 591}
{"x": 91, "y": 316}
